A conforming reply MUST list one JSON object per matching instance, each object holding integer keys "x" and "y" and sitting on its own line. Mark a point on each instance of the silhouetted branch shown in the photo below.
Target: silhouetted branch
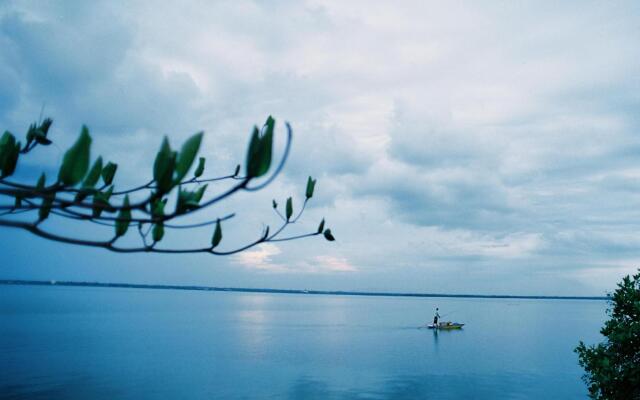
{"x": 77, "y": 195}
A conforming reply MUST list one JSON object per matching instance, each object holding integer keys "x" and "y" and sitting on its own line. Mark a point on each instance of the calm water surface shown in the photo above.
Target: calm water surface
{"x": 104, "y": 343}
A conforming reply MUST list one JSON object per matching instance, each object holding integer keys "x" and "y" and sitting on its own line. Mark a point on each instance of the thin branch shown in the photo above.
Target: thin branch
{"x": 57, "y": 198}
{"x": 33, "y": 228}
{"x": 201, "y": 224}
{"x": 135, "y": 189}
{"x": 293, "y": 221}
{"x": 280, "y": 214}
{"x": 295, "y": 237}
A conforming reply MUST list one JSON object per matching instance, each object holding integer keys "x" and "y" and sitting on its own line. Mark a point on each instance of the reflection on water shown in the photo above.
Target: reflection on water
{"x": 80, "y": 343}
{"x": 419, "y": 387}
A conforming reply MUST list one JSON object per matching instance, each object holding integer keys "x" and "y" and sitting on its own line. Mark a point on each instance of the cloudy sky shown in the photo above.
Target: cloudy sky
{"x": 459, "y": 147}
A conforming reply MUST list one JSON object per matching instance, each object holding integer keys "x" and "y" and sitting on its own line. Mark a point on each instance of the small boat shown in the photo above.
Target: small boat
{"x": 446, "y": 326}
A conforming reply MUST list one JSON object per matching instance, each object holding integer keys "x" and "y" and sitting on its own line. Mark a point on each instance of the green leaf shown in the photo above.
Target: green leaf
{"x": 260, "y": 150}
{"x": 157, "y": 207}
{"x": 164, "y": 166}
{"x": 124, "y": 218}
{"x": 9, "y": 153}
{"x": 45, "y": 125}
{"x": 162, "y": 158}
{"x": 187, "y": 154}
{"x": 41, "y": 182}
{"x": 7, "y": 142}
{"x": 11, "y": 161}
{"x": 47, "y": 199}
{"x": 108, "y": 172}
{"x": 94, "y": 174}
{"x": 76, "y": 160}
{"x": 39, "y": 134}
{"x": 217, "y": 235}
{"x": 200, "y": 193}
{"x": 200, "y": 168}
{"x": 267, "y": 141}
{"x": 31, "y": 134}
{"x": 188, "y": 201}
{"x": 289, "y": 210}
{"x": 311, "y": 185}
{"x": 41, "y": 138}
{"x": 158, "y": 231}
{"x": 45, "y": 207}
{"x": 101, "y": 202}
{"x": 321, "y": 226}
{"x": 185, "y": 199}
{"x": 328, "y": 235}
{"x": 253, "y": 153}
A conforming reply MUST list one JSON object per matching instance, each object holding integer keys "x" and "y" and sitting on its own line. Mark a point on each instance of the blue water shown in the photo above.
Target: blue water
{"x": 108, "y": 343}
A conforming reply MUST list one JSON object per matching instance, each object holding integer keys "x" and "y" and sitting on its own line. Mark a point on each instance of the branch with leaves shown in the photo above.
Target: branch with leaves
{"x": 86, "y": 192}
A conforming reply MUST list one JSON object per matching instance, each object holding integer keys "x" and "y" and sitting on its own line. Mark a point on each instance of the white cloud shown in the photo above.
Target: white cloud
{"x": 262, "y": 259}
{"x": 328, "y": 264}
{"x": 502, "y": 134}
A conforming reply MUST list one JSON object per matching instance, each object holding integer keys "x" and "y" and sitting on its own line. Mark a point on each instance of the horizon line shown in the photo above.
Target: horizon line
{"x": 286, "y": 291}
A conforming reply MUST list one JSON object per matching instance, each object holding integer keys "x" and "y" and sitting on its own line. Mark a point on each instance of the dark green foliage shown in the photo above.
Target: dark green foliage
{"x": 7, "y": 142}
{"x": 41, "y": 182}
{"x": 38, "y": 133}
{"x": 45, "y": 208}
{"x": 260, "y": 149}
{"x": 187, "y": 156}
{"x": 40, "y": 137}
{"x": 45, "y": 125}
{"x": 170, "y": 167}
{"x": 311, "y": 185}
{"x": 613, "y": 367}
{"x": 101, "y": 202}
{"x": 9, "y": 153}
{"x": 124, "y": 218}
{"x": 164, "y": 166}
{"x": 200, "y": 168}
{"x": 108, "y": 172}
{"x": 158, "y": 232}
{"x": 76, "y": 160}
{"x": 94, "y": 174}
{"x": 157, "y": 207}
{"x": 289, "y": 209}
{"x": 217, "y": 235}
{"x": 77, "y": 194}
{"x": 47, "y": 199}
{"x": 328, "y": 235}
{"x": 188, "y": 200}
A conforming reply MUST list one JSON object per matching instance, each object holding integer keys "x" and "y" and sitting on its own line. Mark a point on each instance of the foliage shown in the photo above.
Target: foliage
{"x": 77, "y": 194}
{"x": 613, "y": 367}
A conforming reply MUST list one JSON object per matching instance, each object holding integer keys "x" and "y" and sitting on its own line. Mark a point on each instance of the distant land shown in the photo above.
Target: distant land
{"x": 288, "y": 291}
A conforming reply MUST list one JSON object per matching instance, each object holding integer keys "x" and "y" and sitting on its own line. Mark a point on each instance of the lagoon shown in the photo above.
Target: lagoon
{"x": 105, "y": 343}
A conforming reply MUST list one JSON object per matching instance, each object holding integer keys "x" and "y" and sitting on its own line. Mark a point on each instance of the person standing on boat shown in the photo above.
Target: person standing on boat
{"x": 436, "y": 318}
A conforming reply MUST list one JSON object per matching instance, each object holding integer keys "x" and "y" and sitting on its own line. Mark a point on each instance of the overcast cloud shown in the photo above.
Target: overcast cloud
{"x": 459, "y": 147}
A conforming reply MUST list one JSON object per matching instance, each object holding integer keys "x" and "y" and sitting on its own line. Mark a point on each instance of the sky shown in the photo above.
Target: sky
{"x": 459, "y": 147}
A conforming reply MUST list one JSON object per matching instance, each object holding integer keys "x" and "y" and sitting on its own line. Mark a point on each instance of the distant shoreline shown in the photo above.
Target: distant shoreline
{"x": 288, "y": 291}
